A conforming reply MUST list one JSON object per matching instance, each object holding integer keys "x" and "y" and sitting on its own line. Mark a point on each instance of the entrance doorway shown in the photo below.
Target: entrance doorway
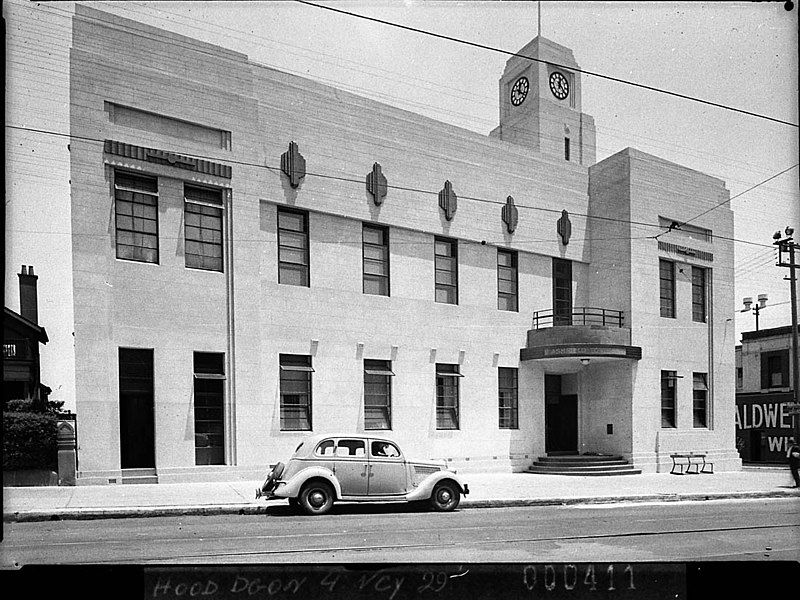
{"x": 137, "y": 441}
{"x": 560, "y": 418}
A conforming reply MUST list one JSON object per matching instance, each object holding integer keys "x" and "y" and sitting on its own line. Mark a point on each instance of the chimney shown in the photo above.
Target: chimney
{"x": 28, "y": 302}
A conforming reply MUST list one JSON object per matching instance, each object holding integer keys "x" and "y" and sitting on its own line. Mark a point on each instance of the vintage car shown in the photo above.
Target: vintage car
{"x": 359, "y": 468}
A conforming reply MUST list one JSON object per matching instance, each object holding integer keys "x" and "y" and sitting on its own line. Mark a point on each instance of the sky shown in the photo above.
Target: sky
{"x": 738, "y": 54}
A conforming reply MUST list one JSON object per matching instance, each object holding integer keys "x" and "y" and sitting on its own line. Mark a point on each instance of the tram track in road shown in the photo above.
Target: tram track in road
{"x": 377, "y": 551}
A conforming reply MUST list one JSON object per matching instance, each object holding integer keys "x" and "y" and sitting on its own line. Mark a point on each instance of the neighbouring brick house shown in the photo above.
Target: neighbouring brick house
{"x": 256, "y": 255}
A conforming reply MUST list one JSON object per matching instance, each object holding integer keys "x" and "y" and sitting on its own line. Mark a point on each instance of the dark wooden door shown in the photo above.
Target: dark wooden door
{"x": 137, "y": 441}
{"x": 561, "y": 424}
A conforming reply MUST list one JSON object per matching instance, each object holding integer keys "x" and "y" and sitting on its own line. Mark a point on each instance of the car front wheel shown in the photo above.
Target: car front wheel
{"x": 316, "y": 498}
{"x": 445, "y": 497}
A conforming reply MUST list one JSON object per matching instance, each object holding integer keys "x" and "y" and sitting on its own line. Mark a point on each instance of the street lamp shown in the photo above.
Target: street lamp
{"x": 748, "y": 302}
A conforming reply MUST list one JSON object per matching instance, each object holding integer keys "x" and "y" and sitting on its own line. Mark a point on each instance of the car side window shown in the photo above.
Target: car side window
{"x": 351, "y": 448}
{"x": 384, "y": 450}
{"x": 325, "y": 448}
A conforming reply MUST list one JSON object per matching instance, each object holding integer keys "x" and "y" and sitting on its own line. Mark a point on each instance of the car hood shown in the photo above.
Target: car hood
{"x": 438, "y": 464}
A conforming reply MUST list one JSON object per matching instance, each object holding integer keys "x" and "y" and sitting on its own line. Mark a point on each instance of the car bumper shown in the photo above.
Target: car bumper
{"x": 466, "y": 489}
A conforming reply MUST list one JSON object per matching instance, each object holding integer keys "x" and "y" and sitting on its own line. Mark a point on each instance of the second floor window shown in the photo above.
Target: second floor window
{"x": 775, "y": 369}
{"x": 203, "y": 228}
{"x": 698, "y": 294}
{"x": 562, "y": 292}
{"x": 136, "y": 217}
{"x": 446, "y": 270}
{"x": 666, "y": 274}
{"x": 507, "y": 280}
{"x": 293, "y": 260}
{"x": 376, "y": 260}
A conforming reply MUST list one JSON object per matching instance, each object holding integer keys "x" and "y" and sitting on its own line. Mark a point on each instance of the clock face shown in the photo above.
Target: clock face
{"x": 559, "y": 85}
{"x": 519, "y": 91}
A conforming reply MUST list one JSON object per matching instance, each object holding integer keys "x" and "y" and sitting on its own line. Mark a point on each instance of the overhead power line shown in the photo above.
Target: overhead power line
{"x": 570, "y": 68}
{"x": 360, "y": 181}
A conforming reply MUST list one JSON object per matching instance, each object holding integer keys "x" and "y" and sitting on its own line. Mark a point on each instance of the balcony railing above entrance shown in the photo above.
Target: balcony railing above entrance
{"x": 579, "y": 315}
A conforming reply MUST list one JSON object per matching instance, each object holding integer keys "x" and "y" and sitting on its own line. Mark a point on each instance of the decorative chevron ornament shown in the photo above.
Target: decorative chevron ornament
{"x": 448, "y": 201}
{"x": 293, "y": 165}
{"x": 376, "y": 184}
{"x": 564, "y": 227}
{"x": 510, "y": 215}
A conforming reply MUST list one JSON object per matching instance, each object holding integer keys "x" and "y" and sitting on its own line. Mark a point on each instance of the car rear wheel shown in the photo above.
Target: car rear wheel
{"x": 316, "y": 498}
{"x": 445, "y": 497}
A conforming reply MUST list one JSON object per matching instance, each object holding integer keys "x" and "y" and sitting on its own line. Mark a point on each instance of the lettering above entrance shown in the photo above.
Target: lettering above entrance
{"x": 164, "y": 157}
{"x": 581, "y": 351}
{"x": 685, "y": 250}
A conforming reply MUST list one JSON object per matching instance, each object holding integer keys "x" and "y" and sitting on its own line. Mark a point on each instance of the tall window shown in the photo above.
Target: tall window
{"x": 203, "y": 227}
{"x": 666, "y": 270}
{"x": 562, "y": 292}
{"x": 376, "y": 260}
{"x": 293, "y": 247}
{"x": 775, "y": 369}
{"x": 566, "y": 148}
{"x": 446, "y": 267}
{"x": 209, "y": 422}
{"x": 668, "y": 379}
{"x": 447, "y": 396}
{"x": 507, "y": 280}
{"x": 698, "y": 294}
{"x": 136, "y": 211}
{"x": 508, "y": 403}
{"x": 295, "y": 392}
{"x": 378, "y": 394}
{"x": 700, "y": 400}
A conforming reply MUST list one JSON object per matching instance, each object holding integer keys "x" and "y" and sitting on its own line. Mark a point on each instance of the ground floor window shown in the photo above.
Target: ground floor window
{"x": 295, "y": 385}
{"x": 209, "y": 396}
{"x": 447, "y": 413}
{"x": 378, "y": 394}
{"x": 508, "y": 399}
{"x": 668, "y": 379}
{"x": 700, "y": 400}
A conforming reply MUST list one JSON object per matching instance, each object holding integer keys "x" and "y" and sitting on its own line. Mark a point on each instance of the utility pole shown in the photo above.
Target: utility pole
{"x": 787, "y": 246}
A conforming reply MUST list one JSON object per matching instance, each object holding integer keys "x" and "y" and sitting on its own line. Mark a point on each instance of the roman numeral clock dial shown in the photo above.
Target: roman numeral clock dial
{"x": 559, "y": 85}
{"x": 519, "y": 91}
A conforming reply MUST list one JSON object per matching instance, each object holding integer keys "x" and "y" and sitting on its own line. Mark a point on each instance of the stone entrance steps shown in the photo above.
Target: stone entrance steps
{"x": 583, "y": 464}
{"x": 134, "y": 476}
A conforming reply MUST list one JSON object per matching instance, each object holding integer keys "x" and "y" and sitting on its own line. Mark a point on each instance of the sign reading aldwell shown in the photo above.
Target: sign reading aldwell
{"x": 763, "y": 426}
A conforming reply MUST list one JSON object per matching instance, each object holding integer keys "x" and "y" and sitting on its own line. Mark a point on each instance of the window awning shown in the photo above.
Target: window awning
{"x": 209, "y": 376}
{"x": 297, "y": 368}
{"x": 700, "y": 383}
{"x": 379, "y": 371}
{"x": 447, "y": 374}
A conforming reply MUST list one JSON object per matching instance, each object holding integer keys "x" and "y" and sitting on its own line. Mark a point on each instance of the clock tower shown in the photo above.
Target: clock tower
{"x": 540, "y": 104}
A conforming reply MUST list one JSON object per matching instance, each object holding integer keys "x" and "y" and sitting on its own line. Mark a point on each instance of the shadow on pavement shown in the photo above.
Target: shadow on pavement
{"x": 355, "y": 508}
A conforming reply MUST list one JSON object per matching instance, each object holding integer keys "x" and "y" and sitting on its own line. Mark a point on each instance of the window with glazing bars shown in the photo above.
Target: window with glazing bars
{"x": 666, "y": 274}
{"x": 508, "y": 403}
{"x": 376, "y": 260}
{"x": 446, "y": 270}
{"x": 209, "y": 395}
{"x": 700, "y": 400}
{"x": 295, "y": 384}
{"x": 378, "y": 394}
{"x": 668, "y": 386}
{"x": 203, "y": 227}
{"x": 136, "y": 217}
{"x": 507, "y": 280}
{"x": 293, "y": 263}
{"x": 698, "y": 294}
{"x": 447, "y": 413}
{"x": 562, "y": 291}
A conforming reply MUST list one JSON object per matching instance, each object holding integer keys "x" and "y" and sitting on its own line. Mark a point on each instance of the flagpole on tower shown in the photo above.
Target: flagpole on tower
{"x": 539, "y": 21}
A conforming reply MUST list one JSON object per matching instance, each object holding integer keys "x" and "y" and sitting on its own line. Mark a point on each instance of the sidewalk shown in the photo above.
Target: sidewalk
{"x": 486, "y": 490}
